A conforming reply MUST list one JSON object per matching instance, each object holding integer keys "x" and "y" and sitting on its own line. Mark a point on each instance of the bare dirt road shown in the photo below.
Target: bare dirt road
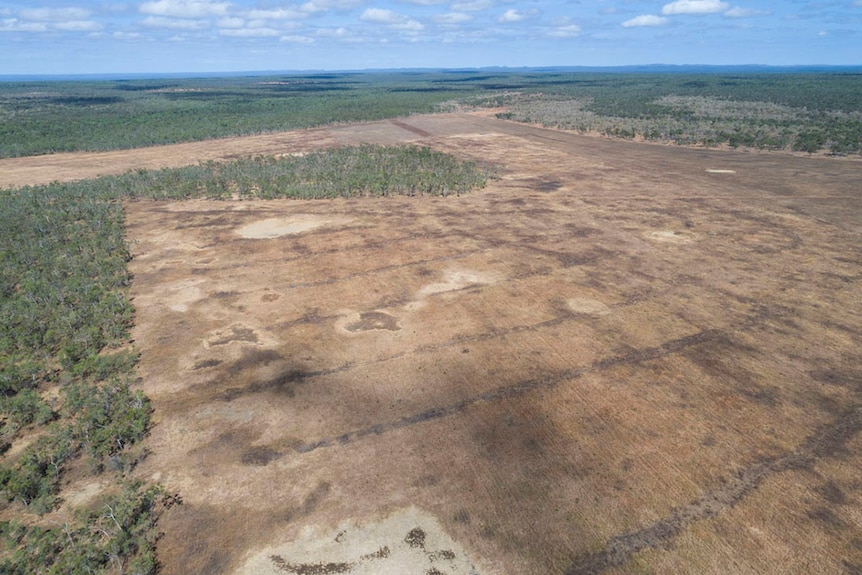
{"x": 617, "y": 358}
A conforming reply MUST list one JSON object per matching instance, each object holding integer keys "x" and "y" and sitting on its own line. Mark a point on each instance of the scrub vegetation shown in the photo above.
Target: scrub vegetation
{"x": 799, "y": 112}
{"x": 811, "y": 112}
{"x": 338, "y": 172}
{"x": 68, "y": 403}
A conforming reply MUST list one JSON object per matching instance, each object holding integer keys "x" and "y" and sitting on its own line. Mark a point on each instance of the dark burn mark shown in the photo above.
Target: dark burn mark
{"x": 851, "y": 380}
{"x": 310, "y": 317}
{"x": 224, "y": 294}
{"x": 832, "y": 493}
{"x": 409, "y": 128}
{"x": 547, "y": 185}
{"x": 826, "y": 516}
{"x": 254, "y": 358}
{"x": 415, "y": 538}
{"x": 286, "y": 383}
{"x": 260, "y": 456}
{"x": 310, "y": 568}
{"x": 381, "y": 553}
{"x": 827, "y": 441}
{"x": 444, "y": 554}
{"x": 206, "y": 363}
{"x": 374, "y": 320}
{"x": 577, "y": 231}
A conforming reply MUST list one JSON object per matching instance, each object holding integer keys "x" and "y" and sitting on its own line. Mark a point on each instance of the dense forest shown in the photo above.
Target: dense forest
{"x": 804, "y": 111}
{"x": 69, "y": 403}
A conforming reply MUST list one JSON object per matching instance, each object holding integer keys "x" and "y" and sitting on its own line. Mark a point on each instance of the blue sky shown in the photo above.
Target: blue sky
{"x": 151, "y": 36}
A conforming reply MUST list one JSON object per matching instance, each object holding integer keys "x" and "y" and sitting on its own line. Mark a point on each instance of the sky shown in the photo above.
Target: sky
{"x": 201, "y": 36}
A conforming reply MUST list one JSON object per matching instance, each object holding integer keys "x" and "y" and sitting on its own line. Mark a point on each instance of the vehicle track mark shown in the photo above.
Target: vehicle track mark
{"x": 412, "y": 129}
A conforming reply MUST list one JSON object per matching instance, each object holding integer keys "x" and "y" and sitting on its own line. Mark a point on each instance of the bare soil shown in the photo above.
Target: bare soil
{"x": 617, "y": 358}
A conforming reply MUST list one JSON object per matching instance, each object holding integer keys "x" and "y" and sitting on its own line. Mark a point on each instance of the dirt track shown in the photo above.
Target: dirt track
{"x": 618, "y": 358}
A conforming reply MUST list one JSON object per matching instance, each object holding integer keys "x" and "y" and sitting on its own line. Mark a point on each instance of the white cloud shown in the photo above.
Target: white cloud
{"x": 425, "y": 2}
{"x": 297, "y": 39}
{"x": 127, "y": 35}
{"x": 249, "y": 32}
{"x": 314, "y": 6}
{"x": 737, "y": 12}
{"x": 175, "y": 24}
{"x": 695, "y": 7}
{"x": 15, "y": 25}
{"x": 228, "y": 22}
{"x": 391, "y": 19}
{"x": 645, "y": 20}
{"x": 277, "y": 14}
{"x": 54, "y": 14}
{"x": 410, "y": 25}
{"x": 185, "y": 8}
{"x": 512, "y": 15}
{"x": 333, "y": 32}
{"x": 78, "y": 26}
{"x": 472, "y": 5}
{"x": 452, "y": 18}
{"x": 380, "y": 15}
{"x": 568, "y": 31}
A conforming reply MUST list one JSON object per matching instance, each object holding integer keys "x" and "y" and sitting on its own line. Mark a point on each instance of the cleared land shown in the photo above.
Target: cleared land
{"x": 618, "y": 358}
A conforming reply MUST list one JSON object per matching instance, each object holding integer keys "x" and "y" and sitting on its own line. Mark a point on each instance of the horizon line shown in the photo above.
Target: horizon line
{"x": 467, "y": 69}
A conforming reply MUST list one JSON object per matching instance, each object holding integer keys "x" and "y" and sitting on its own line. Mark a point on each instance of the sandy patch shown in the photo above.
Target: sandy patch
{"x": 671, "y": 236}
{"x": 588, "y": 306}
{"x": 83, "y": 494}
{"x": 179, "y": 295}
{"x": 277, "y": 227}
{"x": 454, "y": 280}
{"x": 409, "y": 541}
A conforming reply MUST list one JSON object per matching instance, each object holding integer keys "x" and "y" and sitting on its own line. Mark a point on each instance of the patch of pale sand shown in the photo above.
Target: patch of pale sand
{"x": 588, "y": 306}
{"x": 671, "y": 236}
{"x": 80, "y": 495}
{"x": 456, "y": 279}
{"x": 712, "y": 171}
{"x": 406, "y": 542}
{"x": 20, "y": 443}
{"x": 277, "y": 227}
{"x": 177, "y": 296}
